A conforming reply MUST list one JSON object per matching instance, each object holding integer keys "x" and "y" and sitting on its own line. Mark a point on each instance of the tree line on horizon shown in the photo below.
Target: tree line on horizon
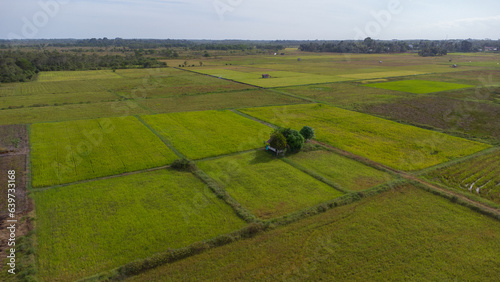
{"x": 22, "y": 66}
{"x": 424, "y": 48}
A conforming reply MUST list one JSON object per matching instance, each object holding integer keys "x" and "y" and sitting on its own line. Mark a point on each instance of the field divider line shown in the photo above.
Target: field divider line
{"x": 473, "y": 197}
{"x": 413, "y": 178}
{"x": 456, "y": 197}
{"x": 456, "y": 161}
{"x": 229, "y": 155}
{"x": 358, "y": 158}
{"x": 143, "y": 106}
{"x": 165, "y": 141}
{"x": 222, "y": 194}
{"x": 100, "y": 178}
{"x": 297, "y": 96}
{"x": 254, "y": 119}
{"x": 316, "y": 176}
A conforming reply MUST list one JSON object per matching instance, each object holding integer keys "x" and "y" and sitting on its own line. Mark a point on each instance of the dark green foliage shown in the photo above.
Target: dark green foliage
{"x": 24, "y": 65}
{"x": 432, "y": 51}
{"x": 183, "y": 165}
{"x": 295, "y": 141}
{"x": 278, "y": 141}
{"x": 307, "y": 132}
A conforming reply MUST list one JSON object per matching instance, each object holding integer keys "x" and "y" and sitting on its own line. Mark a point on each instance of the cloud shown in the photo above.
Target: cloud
{"x": 467, "y": 22}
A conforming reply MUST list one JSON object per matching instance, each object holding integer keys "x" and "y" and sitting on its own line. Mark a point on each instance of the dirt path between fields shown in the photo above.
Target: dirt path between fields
{"x": 14, "y": 155}
{"x": 252, "y": 118}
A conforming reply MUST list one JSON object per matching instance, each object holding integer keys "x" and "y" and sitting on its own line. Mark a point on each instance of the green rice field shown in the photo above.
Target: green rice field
{"x": 200, "y": 135}
{"x": 406, "y": 234}
{"x": 86, "y": 228}
{"x": 348, "y": 174}
{"x": 480, "y": 176}
{"x": 78, "y": 150}
{"x": 396, "y": 145}
{"x": 419, "y": 86}
{"x": 161, "y": 174}
{"x": 266, "y": 186}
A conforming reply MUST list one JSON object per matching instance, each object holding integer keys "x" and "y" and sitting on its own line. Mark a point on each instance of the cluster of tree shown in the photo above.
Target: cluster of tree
{"x": 23, "y": 65}
{"x": 432, "y": 49}
{"x": 366, "y": 46}
{"x": 424, "y": 47}
{"x": 270, "y": 47}
{"x": 223, "y": 47}
{"x": 135, "y": 44}
{"x": 290, "y": 139}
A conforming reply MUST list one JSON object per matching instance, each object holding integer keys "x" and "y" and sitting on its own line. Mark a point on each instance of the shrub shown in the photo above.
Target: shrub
{"x": 307, "y": 132}
{"x": 278, "y": 141}
{"x": 295, "y": 141}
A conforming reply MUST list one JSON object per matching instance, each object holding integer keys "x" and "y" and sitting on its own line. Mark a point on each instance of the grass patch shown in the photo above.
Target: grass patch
{"x": 278, "y": 78}
{"x": 480, "y": 176}
{"x": 343, "y": 171}
{"x": 219, "y": 101}
{"x": 382, "y": 74}
{"x": 470, "y": 119}
{"x": 396, "y": 145}
{"x": 407, "y": 234}
{"x": 55, "y": 99}
{"x": 211, "y": 133}
{"x": 346, "y": 95}
{"x": 419, "y": 86}
{"x": 79, "y": 150}
{"x": 76, "y": 75}
{"x": 71, "y": 112}
{"x": 267, "y": 186}
{"x": 91, "y": 227}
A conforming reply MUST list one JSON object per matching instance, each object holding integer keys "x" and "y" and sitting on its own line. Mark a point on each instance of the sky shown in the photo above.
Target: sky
{"x": 250, "y": 19}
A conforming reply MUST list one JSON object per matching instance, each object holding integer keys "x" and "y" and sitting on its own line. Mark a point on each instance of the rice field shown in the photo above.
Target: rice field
{"x": 210, "y": 133}
{"x": 480, "y": 176}
{"x": 87, "y": 228}
{"x": 76, "y": 75}
{"x": 56, "y": 99}
{"x": 267, "y": 186}
{"x": 277, "y": 77}
{"x": 396, "y": 145}
{"x": 71, "y": 151}
{"x": 405, "y": 234}
{"x": 346, "y": 173}
{"x": 219, "y": 101}
{"x": 72, "y": 112}
{"x": 419, "y": 86}
{"x": 346, "y": 95}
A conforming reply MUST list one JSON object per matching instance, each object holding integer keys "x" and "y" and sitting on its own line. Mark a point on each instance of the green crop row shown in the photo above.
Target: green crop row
{"x": 78, "y": 150}
{"x": 390, "y": 143}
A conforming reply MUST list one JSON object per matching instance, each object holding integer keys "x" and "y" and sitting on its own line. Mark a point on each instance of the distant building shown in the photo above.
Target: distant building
{"x": 486, "y": 49}
{"x": 266, "y": 75}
